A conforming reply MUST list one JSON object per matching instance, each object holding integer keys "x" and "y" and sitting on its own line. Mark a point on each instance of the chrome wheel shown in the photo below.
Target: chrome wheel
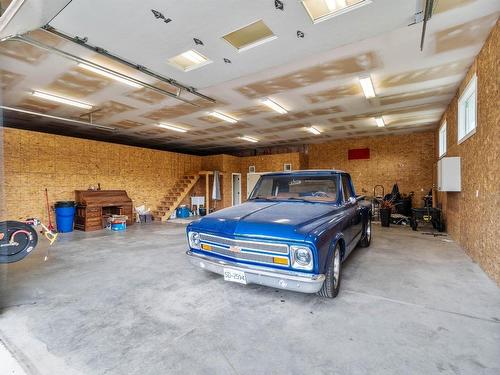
{"x": 336, "y": 269}
{"x": 369, "y": 230}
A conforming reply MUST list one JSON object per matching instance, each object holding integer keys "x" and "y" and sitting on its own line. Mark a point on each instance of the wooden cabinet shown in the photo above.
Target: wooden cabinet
{"x": 94, "y": 207}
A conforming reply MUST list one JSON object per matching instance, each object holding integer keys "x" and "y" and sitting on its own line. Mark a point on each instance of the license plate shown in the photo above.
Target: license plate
{"x": 234, "y": 276}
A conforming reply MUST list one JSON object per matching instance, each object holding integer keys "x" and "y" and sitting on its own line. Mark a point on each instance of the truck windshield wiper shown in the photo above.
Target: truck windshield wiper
{"x": 299, "y": 199}
{"x": 263, "y": 198}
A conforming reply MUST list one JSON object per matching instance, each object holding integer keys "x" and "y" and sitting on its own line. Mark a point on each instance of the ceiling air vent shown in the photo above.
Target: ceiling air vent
{"x": 250, "y": 36}
{"x": 320, "y": 10}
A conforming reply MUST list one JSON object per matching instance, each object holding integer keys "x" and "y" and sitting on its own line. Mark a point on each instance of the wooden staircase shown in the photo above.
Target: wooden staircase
{"x": 175, "y": 196}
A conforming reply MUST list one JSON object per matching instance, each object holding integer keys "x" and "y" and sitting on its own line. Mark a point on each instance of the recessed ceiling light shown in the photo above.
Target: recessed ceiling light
{"x": 189, "y": 60}
{"x": 223, "y": 117}
{"x": 320, "y": 10}
{"x": 172, "y": 127}
{"x": 380, "y": 122}
{"x": 367, "y": 86}
{"x": 60, "y": 99}
{"x": 110, "y": 75}
{"x": 313, "y": 130}
{"x": 249, "y": 139}
{"x": 274, "y": 106}
{"x": 250, "y": 36}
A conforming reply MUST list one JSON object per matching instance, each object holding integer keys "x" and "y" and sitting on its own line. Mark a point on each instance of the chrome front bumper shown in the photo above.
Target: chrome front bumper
{"x": 280, "y": 279}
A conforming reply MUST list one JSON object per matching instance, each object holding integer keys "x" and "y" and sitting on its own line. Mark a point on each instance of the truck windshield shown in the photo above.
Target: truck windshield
{"x": 302, "y": 188}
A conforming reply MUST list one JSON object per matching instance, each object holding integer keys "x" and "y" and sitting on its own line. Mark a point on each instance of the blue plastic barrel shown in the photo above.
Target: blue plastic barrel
{"x": 65, "y": 215}
{"x": 182, "y": 212}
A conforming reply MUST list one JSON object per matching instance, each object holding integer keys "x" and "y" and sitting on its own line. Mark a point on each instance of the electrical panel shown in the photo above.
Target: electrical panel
{"x": 449, "y": 174}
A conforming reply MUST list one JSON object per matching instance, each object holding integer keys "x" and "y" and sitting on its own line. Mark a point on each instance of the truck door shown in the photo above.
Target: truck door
{"x": 350, "y": 196}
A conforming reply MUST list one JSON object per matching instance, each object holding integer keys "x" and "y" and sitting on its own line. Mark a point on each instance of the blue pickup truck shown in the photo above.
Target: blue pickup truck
{"x": 293, "y": 233}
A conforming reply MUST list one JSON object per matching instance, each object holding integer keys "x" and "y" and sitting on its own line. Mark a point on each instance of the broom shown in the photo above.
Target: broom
{"x": 51, "y": 227}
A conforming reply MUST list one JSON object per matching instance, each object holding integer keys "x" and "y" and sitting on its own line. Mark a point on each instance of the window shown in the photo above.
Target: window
{"x": 467, "y": 111}
{"x": 295, "y": 187}
{"x": 250, "y": 36}
{"x": 189, "y": 60}
{"x": 442, "y": 140}
{"x": 346, "y": 188}
{"x": 320, "y": 10}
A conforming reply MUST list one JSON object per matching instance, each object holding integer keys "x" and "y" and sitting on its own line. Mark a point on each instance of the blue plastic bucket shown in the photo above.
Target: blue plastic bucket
{"x": 182, "y": 212}
{"x": 65, "y": 215}
{"x": 119, "y": 226}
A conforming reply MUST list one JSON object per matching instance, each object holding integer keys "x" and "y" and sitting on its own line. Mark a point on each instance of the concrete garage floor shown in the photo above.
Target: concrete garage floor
{"x": 130, "y": 303}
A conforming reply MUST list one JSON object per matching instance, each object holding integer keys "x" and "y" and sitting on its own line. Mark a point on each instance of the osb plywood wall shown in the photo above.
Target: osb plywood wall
{"x": 472, "y": 214}
{"x": 34, "y": 161}
{"x": 232, "y": 164}
{"x": 269, "y": 163}
{"x": 64, "y": 164}
{"x": 404, "y": 159}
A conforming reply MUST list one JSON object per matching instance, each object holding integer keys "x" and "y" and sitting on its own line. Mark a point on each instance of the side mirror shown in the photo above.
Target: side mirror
{"x": 352, "y": 200}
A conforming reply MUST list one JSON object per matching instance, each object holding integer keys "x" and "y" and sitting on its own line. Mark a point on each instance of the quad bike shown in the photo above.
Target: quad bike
{"x": 427, "y": 215}
{"x": 18, "y": 239}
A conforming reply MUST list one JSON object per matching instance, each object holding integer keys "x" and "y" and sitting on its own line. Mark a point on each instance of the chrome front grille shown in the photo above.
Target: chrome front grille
{"x": 247, "y": 256}
{"x": 245, "y": 250}
{"x": 246, "y": 245}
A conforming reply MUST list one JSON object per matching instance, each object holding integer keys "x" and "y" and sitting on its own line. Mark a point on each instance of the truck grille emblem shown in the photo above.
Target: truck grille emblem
{"x": 235, "y": 249}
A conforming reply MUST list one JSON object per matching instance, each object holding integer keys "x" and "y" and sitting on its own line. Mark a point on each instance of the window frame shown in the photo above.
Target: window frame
{"x": 471, "y": 89}
{"x": 442, "y": 152}
{"x": 350, "y": 192}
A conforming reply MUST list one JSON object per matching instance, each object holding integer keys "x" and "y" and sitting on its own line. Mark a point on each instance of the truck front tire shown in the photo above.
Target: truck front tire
{"x": 331, "y": 285}
{"x": 367, "y": 233}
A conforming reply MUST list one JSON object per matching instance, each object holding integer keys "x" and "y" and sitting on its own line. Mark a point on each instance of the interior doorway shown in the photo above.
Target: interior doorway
{"x": 236, "y": 187}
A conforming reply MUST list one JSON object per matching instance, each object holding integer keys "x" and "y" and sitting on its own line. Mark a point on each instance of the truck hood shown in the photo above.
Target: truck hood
{"x": 267, "y": 220}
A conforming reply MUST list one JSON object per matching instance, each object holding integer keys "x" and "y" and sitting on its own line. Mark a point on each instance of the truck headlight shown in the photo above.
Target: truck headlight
{"x": 302, "y": 257}
{"x": 194, "y": 240}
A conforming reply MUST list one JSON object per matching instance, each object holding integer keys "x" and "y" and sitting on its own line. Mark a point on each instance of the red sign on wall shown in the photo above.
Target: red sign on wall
{"x": 358, "y": 153}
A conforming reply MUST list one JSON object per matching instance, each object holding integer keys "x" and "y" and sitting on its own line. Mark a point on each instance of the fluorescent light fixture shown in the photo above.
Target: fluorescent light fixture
{"x": 380, "y": 122}
{"x": 367, "y": 86}
{"x": 320, "y": 10}
{"x": 249, "y": 139}
{"x": 313, "y": 130}
{"x": 189, "y": 60}
{"x": 59, "y": 99}
{"x": 274, "y": 106}
{"x": 64, "y": 119}
{"x": 172, "y": 127}
{"x": 223, "y": 117}
{"x": 250, "y": 36}
{"x": 8, "y": 15}
{"x": 110, "y": 75}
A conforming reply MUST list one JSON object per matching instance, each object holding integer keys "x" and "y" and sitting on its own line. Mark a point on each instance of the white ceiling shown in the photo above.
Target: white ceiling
{"x": 413, "y": 87}
{"x": 128, "y": 28}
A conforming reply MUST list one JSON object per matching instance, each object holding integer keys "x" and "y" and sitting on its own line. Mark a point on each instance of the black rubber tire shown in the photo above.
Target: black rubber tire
{"x": 11, "y": 254}
{"x": 327, "y": 289}
{"x": 440, "y": 226}
{"x": 413, "y": 224}
{"x": 366, "y": 239}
